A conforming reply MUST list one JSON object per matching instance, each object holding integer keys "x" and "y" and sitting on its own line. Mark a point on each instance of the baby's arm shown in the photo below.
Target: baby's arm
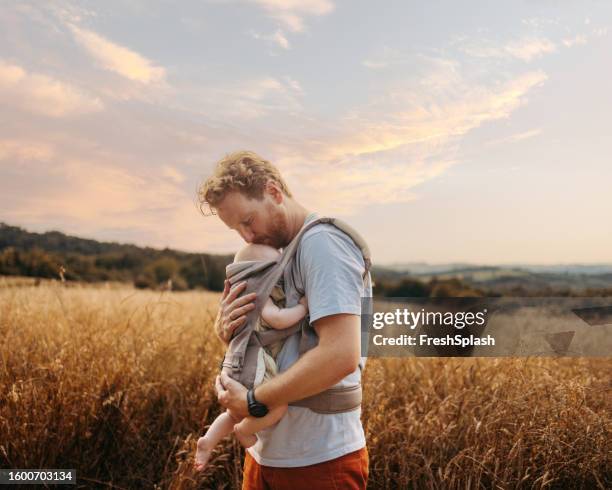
{"x": 280, "y": 318}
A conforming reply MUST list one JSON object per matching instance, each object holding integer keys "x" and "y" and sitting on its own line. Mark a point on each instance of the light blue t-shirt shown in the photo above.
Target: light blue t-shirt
{"x": 329, "y": 268}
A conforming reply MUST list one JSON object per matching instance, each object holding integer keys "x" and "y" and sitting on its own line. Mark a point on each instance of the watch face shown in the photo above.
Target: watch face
{"x": 258, "y": 410}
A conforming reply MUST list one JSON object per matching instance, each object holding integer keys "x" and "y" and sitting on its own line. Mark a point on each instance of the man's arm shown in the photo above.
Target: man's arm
{"x": 336, "y": 356}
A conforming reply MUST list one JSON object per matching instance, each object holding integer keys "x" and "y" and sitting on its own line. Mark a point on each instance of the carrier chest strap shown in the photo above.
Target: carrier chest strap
{"x": 333, "y": 400}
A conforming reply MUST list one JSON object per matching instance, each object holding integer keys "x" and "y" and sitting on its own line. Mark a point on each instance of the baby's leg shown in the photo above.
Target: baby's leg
{"x": 245, "y": 430}
{"x": 221, "y": 427}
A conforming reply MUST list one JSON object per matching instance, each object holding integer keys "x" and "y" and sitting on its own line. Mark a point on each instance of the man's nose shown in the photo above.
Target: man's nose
{"x": 247, "y": 235}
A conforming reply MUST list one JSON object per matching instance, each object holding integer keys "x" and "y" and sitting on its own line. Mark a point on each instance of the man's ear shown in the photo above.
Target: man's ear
{"x": 275, "y": 191}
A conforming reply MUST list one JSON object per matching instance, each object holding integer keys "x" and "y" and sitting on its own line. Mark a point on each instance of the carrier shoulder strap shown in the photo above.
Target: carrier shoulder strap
{"x": 357, "y": 238}
{"x": 346, "y": 398}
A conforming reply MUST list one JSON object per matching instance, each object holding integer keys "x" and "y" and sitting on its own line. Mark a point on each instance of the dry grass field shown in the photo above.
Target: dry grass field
{"x": 118, "y": 383}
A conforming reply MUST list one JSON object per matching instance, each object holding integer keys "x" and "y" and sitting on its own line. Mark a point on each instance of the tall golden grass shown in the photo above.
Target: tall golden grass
{"x": 118, "y": 384}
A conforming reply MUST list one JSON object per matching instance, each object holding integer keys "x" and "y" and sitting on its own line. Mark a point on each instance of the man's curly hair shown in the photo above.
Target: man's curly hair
{"x": 242, "y": 171}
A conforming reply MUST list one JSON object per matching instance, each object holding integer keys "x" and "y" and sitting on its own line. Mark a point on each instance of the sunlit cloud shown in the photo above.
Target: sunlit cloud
{"x": 42, "y": 94}
{"x": 116, "y": 58}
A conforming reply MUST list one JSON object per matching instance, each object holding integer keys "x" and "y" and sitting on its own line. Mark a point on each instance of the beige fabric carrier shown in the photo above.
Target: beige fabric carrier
{"x": 240, "y": 360}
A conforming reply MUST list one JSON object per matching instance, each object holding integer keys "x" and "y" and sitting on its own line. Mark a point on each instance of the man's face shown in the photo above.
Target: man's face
{"x": 262, "y": 222}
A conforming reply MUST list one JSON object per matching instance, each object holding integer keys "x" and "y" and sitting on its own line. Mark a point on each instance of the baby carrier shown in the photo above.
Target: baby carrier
{"x": 240, "y": 360}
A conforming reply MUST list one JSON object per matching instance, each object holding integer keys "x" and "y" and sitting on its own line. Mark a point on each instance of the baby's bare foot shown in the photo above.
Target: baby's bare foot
{"x": 202, "y": 454}
{"x": 247, "y": 440}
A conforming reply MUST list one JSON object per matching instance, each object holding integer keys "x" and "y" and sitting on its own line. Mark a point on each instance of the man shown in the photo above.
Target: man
{"x": 305, "y": 449}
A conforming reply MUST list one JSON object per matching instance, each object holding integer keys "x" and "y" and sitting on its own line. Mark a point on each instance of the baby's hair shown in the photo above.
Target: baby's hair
{"x": 256, "y": 251}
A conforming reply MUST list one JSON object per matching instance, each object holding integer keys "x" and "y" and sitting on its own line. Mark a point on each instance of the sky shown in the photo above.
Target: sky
{"x": 443, "y": 131}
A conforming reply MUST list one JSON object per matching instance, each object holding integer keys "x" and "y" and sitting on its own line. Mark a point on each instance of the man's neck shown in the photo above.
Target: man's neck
{"x": 297, "y": 216}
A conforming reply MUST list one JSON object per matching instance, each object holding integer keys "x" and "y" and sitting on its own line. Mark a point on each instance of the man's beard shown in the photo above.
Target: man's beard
{"x": 278, "y": 233}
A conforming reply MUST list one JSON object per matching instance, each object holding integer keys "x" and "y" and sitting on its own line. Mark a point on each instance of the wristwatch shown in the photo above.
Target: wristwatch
{"x": 256, "y": 409}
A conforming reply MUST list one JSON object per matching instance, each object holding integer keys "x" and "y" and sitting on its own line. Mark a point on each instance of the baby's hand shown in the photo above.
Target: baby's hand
{"x": 304, "y": 302}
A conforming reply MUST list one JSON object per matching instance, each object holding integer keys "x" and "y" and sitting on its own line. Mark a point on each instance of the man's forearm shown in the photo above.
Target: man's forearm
{"x": 314, "y": 372}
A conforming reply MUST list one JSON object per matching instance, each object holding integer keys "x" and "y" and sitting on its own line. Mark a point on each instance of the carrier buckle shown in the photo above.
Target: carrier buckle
{"x": 236, "y": 362}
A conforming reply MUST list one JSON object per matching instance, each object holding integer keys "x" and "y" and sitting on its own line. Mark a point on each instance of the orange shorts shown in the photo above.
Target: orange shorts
{"x": 348, "y": 472}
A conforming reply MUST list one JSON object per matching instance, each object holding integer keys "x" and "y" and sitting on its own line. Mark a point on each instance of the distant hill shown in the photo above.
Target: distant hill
{"x": 516, "y": 279}
{"x": 423, "y": 268}
{"x": 44, "y": 254}
{"x": 23, "y": 253}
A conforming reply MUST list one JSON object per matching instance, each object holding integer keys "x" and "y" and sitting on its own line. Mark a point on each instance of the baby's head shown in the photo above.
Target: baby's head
{"x": 255, "y": 251}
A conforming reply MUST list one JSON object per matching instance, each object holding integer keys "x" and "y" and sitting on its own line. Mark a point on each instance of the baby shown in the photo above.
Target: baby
{"x": 273, "y": 315}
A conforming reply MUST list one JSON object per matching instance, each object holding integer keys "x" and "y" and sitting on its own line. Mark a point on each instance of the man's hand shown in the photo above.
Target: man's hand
{"x": 232, "y": 310}
{"x": 232, "y": 395}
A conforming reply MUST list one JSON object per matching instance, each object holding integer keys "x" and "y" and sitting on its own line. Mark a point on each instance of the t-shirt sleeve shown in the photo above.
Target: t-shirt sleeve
{"x": 331, "y": 266}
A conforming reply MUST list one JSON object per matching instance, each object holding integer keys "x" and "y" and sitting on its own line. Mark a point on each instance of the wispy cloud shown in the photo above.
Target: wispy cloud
{"x": 291, "y": 13}
{"x": 383, "y": 151}
{"x": 525, "y": 49}
{"x": 387, "y": 56}
{"x": 294, "y": 85}
{"x": 173, "y": 174}
{"x": 540, "y": 23}
{"x": 600, "y": 31}
{"x": 42, "y": 94}
{"x": 245, "y": 100}
{"x": 277, "y": 37}
{"x": 116, "y": 58}
{"x": 576, "y": 40}
{"x": 531, "y": 48}
{"x": 428, "y": 116}
{"x": 18, "y": 150}
{"x": 524, "y": 135}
